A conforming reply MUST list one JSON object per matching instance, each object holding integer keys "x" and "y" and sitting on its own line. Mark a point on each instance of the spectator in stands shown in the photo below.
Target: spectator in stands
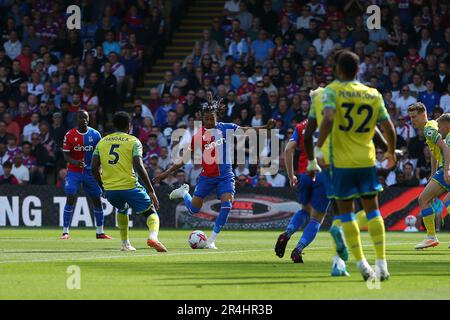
{"x": 262, "y": 48}
{"x": 32, "y": 127}
{"x": 430, "y": 98}
{"x": 276, "y": 180}
{"x": 405, "y": 131}
{"x": 262, "y": 182}
{"x": 416, "y": 87}
{"x": 231, "y": 9}
{"x": 404, "y": 101}
{"x": 244, "y": 17}
{"x": 13, "y": 46}
{"x": 110, "y": 45}
{"x": 242, "y": 181}
{"x": 8, "y": 177}
{"x": 163, "y": 110}
{"x": 323, "y": 44}
{"x": 20, "y": 171}
{"x": 57, "y": 129}
{"x": 167, "y": 86}
{"x": 207, "y": 44}
{"x": 11, "y": 126}
{"x": 445, "y": 100}
{"x": 238, "y": 48}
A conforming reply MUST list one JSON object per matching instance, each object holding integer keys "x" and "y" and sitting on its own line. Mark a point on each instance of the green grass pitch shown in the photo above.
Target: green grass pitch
{"x": 34, "y": 263}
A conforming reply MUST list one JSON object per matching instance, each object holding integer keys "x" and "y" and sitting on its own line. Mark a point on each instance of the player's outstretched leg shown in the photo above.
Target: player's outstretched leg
{"x": 297, "y": 220}
{"x": 67, "y": 218}
{"x": 179, "y": 192}
{"x": 153, "y": 227}
{"x": 183, "y": 192}
{"x": 122, "y": 224}
{"x": 225, "y": 208}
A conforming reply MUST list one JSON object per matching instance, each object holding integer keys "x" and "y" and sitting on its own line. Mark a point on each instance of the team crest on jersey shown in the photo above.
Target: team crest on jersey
{"x": 91, "y": 139}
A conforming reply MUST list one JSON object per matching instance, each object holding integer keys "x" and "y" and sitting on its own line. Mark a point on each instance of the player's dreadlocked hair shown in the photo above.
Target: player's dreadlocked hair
{"x": 212, "y": 105}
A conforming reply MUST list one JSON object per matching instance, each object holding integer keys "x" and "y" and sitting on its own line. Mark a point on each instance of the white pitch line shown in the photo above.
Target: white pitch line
{"x": 127, "y": 255}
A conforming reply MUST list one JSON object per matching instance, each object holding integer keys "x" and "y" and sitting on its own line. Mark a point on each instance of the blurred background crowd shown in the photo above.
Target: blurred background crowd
{"x": 262, "y": 57}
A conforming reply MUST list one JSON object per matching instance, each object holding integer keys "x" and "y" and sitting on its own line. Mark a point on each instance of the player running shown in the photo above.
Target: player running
{"x": 217, "y": 174}
{"x": 313, "y": 195}
{"x": 119, "y": 155}
{"x": 435, "y": 133}
{"x": 351, "y": 111}
{"x": 79, "y": 144}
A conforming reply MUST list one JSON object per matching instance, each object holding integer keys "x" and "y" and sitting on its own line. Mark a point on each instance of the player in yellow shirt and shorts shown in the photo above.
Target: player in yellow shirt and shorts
{"x": 116, "y": 165}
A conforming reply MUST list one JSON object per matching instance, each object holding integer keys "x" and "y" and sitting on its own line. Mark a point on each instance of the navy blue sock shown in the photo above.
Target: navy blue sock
{"x": 98, "y": 212}
{"x": 223, "y": 216}
{"x": 297, "y": 220}
{"x": 309, "y": 233}
{"x": 67, "y": 217}
{"x": 188, "y": 203}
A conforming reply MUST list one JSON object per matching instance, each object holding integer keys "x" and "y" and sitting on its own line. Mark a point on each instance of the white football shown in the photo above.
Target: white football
{"x": 197, "y": 239}
{"x": 410, "y": 221}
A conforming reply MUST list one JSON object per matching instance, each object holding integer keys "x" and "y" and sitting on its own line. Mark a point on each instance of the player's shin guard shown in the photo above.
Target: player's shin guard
{"x": 122, "y": 224}
{"x": 297, "y": 220}
{"x": 188, "y": 203}
{"x": 67, "y": 217}
{"x": 377, "y": 234}
{"x": 352, "y": 235}
{"x": 361, "y": 219}
{"x": 429, "y": 217}
{"x": 99, "y": 219}
{"x": 223, "y": 216}
{"x": 153, "y": 226}
{"x": 309, "y": 233}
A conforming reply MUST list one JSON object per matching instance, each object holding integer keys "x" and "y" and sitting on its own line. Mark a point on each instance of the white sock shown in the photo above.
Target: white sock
{"x": 153, "y": 236}
{"x": 432, "y": 237}
{"x": 66, "y": 230}
{"x": 382, "y": 264}
{"x": 336, "y": 260}
{"x": 125, "y": 242}
{"x": 363, "y": 264}
{"x": 213, "y": 236}
{"x": 99, "y": 230}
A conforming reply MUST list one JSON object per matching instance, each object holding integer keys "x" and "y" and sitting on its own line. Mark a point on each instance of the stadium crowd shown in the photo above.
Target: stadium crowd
{"x": 262, "y": 58}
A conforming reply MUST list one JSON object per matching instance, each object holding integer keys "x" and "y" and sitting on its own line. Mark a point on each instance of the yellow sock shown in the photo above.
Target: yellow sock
{"x": 122, "y": 224}
{"x": 361, "y": 219}
{"x": 429, "y": 222}
{"x": 377, "y": 234}
{"x": 352, "y": 235}
{"x": 153, "y": 225}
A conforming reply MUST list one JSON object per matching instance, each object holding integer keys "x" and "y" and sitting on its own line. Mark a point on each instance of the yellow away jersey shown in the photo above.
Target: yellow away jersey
{"x": 116, "y": 152}
{"x": 358, "y": 110}
{"x": 316, "y": 113}
{"x": 432, "y": 136}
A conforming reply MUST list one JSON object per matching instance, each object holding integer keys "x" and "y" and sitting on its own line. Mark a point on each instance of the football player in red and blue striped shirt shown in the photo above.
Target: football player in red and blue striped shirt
{"x": 79, "y": 144}
{"x": 217, "y": 171}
